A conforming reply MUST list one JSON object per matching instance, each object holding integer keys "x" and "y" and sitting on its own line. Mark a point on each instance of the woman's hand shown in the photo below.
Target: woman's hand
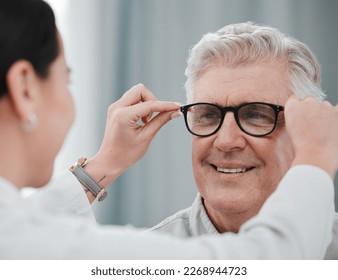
{"x": 130, "y": 127}
{"x": 313, "y": 131}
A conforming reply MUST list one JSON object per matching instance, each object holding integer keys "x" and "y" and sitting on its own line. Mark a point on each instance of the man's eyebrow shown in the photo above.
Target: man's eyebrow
{"x": 232, "y": 105}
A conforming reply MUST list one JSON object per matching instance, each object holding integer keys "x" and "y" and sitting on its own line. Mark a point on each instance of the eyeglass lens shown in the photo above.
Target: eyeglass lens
{"x": 255, "y": 119}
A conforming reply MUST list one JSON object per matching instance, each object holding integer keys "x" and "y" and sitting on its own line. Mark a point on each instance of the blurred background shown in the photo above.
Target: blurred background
{"x": 112, "y": 45}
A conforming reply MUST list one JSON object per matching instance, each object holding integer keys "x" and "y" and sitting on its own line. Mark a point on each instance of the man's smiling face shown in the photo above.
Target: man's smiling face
{"x": 235, "y": 172}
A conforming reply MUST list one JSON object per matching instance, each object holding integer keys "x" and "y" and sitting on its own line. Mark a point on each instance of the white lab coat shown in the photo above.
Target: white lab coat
{"x": 294, "y": 223}
{"x": 194, "y": 221}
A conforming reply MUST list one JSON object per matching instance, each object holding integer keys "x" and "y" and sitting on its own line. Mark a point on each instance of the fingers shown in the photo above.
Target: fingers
{"x": 311, "y": 126}
{"x": 295, "y": 103}
{"x": 160, "y": 120}
{"x": 147, "y": 108}
{"x": 140, "y": 94}
{"x": 165, "y": 112}
{"x": 295, "y": 100}
{"x": 292, "y": 100}
{"x": 304, "y": 105}
{"x": 139, "y": 103}
{"x": 136, "y": 94}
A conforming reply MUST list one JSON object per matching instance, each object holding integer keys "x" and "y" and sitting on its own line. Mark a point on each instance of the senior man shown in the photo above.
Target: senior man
{"x": 238, "y": 80}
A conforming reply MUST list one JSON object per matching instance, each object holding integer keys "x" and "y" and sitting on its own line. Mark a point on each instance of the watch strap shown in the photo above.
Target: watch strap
{"x": 86, "y": 180}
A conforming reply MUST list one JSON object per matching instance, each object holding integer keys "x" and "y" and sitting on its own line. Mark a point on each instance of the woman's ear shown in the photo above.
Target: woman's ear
{"x": 21, "y": 85}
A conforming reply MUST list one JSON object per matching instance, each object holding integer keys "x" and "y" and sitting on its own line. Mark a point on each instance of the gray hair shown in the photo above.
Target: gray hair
{"x": 247, "y": 43}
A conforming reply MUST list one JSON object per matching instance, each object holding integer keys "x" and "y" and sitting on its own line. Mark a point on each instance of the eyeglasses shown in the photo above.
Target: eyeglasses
{"x": 255, "y": 118}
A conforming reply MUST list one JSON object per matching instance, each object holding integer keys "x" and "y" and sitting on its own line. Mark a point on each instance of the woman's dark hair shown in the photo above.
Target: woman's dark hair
{"x": 27, "y": 31}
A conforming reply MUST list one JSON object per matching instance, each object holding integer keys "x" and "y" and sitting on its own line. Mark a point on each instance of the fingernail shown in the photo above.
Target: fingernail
{"x": 176, "y": 114}
{"x": 178, "y": 104}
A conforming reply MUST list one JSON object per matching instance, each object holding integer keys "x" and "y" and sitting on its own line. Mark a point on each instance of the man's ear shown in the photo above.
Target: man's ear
{"x": 21, "y": 85}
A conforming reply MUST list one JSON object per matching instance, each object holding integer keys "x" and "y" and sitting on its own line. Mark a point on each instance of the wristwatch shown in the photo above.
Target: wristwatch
{"x": 86, "y": 180}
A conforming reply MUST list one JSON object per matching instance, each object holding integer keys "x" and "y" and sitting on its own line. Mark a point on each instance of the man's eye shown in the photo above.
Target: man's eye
{"x": 210, "y": 116}
{"x": 207, "y": 118}
{"x": 255, "y": 116}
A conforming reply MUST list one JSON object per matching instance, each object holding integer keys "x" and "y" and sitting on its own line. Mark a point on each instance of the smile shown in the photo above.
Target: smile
{"x": 233, "y": 170}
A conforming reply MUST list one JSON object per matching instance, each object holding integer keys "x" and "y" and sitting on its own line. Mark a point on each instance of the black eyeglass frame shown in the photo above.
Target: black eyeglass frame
{"x": 234, "y": 109}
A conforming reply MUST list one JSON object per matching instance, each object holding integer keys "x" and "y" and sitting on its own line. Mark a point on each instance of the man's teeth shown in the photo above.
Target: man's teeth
{"x": 231, "y": 171}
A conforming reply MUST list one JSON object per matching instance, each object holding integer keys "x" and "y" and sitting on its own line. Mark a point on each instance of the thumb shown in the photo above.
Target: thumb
{"x": 160, "y": 120}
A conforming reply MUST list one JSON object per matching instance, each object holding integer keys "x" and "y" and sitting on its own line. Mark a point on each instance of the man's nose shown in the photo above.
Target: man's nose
{"x": 229, "y": 137}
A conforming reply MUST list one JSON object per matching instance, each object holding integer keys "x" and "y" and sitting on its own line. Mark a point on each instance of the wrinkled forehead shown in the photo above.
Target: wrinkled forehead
{"x": 229, "y": 86}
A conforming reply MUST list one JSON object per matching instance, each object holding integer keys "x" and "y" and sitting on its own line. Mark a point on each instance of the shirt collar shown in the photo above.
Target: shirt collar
{"x": 199, "y": 220}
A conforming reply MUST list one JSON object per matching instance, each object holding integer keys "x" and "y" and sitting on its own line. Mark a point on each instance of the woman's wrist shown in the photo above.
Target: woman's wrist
{"x": 95, "y": 175}
{"x": 103, "y": 172}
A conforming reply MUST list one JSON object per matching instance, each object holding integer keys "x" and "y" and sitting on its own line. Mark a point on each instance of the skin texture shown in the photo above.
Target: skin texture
{"x": 231, "y": 199}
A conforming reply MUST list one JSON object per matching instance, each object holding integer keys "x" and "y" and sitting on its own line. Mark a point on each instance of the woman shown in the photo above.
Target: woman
{"x": 36, "y": 111}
